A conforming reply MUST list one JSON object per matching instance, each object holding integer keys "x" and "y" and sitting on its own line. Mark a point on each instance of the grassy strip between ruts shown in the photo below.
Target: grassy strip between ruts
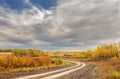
{"x": 27, "y": 69}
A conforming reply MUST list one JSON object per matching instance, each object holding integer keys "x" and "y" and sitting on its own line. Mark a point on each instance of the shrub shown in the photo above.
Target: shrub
{"x": 25, "y": 61}
{"x": 115, "y": 75}
{"x": 58, "y": 62}
{"x": 44, "y": 60}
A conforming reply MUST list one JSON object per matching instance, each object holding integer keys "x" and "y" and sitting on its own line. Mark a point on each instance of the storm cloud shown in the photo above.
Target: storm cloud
{"x": 71, "y": 24}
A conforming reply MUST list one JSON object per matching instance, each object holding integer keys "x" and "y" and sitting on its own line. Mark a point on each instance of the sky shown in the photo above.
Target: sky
{"x": 59, "y": 24}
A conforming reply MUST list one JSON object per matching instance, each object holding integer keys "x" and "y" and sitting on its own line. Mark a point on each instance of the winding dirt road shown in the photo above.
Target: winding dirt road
{"x": 57, "y": 73}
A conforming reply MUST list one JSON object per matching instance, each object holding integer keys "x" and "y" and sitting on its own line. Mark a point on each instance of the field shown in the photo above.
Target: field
{"x": 5, "y": 54}
{"x": 105, "y": 57}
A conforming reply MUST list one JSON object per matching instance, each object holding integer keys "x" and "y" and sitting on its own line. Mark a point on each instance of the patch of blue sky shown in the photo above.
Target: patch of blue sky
{"x": 19, "y": 5}
{"x": 14, "y": 4}
{"x": 46, "y": 4}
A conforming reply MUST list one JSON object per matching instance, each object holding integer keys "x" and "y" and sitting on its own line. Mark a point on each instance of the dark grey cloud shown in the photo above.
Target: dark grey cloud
{"x": 73, "y": 24}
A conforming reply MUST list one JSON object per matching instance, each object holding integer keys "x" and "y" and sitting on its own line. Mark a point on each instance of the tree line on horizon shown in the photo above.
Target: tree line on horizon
{"x": 103, "y": 52}
{"x": 24, "y": 52}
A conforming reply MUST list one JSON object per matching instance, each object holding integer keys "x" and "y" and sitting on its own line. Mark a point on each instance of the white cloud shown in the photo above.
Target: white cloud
{"x": 73, "y": 24}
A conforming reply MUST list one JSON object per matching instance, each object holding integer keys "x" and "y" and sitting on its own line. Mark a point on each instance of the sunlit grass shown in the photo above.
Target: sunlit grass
{"x": 115, "y": 75}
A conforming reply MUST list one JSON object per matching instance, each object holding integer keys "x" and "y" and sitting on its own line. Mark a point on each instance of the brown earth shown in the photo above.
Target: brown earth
{"x": 88, "y": 72}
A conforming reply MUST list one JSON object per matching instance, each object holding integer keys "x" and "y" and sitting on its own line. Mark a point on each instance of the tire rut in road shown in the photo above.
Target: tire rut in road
{"x": 54, "y": 73}
{"x": 88, "y": 72}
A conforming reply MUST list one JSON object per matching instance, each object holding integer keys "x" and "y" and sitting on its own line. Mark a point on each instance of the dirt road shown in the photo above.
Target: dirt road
{"x": 56, "y": 74}
{"x": 79, "y": 71}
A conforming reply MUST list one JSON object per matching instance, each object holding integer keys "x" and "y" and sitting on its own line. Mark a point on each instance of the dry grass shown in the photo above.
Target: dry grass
{"x": 16, "y": 70}
{"x": 109, "y": 69}
{"x": 5, "y": 54}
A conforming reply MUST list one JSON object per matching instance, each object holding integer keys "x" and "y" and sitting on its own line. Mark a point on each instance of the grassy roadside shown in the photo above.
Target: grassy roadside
{"x": 108, "y": 69}
{"x": 33, "y": 69}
